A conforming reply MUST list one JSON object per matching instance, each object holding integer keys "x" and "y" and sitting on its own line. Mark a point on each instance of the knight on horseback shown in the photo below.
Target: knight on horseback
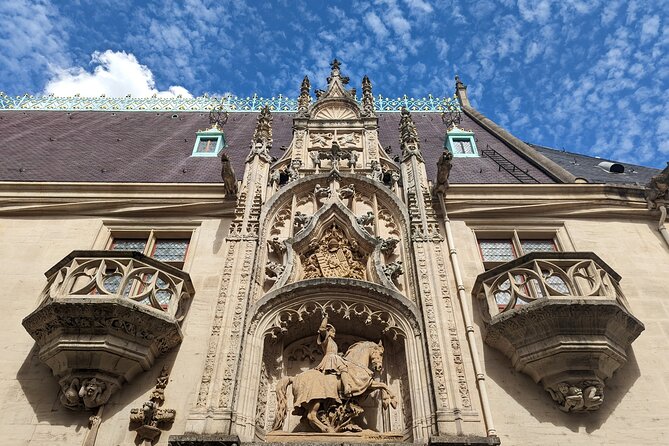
{"x": 332, "y": 363}
{"x": 318, "y": 392}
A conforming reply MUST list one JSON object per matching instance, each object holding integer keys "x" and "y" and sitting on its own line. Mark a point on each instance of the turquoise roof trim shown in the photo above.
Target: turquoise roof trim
{"x": 211, "y": 133}
{"x": 206, "y": 103}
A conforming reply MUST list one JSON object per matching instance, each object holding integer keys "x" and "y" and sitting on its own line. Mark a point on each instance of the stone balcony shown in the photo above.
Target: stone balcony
{"x": 105, "y": 316}
{"x": 561, "y": 318}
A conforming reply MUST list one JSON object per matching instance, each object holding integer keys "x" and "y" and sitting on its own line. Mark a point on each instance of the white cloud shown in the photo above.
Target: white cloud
{"x": 442, "y": 48}
{"x": 376, "y": 25}
{"x": 650, "y": 27}
{"x": 117, "y": 74}
{"x": 419, "y": 6}
{"x": 535, "y": 11}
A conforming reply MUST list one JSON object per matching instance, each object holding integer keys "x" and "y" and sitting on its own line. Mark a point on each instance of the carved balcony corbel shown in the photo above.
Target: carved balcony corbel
{"x": 561, "y": 318}
{"x": 105, "y": 316}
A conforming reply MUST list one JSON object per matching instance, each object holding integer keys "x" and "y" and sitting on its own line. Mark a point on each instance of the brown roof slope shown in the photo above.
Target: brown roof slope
{"x": 149, "y": 147}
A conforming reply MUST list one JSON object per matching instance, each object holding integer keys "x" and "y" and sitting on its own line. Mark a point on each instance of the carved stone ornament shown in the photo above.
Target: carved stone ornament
{"x": 389, "y": 245}
{"x": 149, "y": 420}
{"x": 658, "y": 188}
{"x": 273, "y": 270}
{"x": 562, "y": 319}
{"x": 444, "y": 166}
{"x": 334, "y": 255}
{"x": 393, "y": 270}
{"x": 329, "y": 396}
{"x": 228, "y": 175}
{"x": 262, "y": 137}
{"x": 104, "y": 317}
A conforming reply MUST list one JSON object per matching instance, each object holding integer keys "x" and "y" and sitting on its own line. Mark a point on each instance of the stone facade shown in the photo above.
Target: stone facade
{"x": 332, "y": 268}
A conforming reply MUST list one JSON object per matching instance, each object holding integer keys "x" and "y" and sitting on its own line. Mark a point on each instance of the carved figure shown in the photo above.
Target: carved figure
{"x": 366, "y": 219}
{"x": 315, "y": 156}
{"x": 276, "y": 246}
{"x": 94, "y": 392}
{"x": 393, "y": 270}
{"x": 228, "y": 176}
{"x": 275, "y": 178}
{"x": 444, "y": 166}
{"x": 293, "y": 170}
{"x": 150, "y": 419}
{"x": 322, "y": 192}
{"x": 261, "y": 150}
{"x": 274, "y": 270}
{"x": 352, "y": 157}
{"x": 658, "y": 188}
{"x": 588, "y": 395}
{"x": 347, "y": 192}
{"x": 377, "y": 172}
{"x": 388, "y": 245}
{"x": 70, "y": 395}
{"x": 348, "y": 140}
{"x": 300, "y": 220}
{"x": 321, "y": 140}
{"x": 327, "y": 394}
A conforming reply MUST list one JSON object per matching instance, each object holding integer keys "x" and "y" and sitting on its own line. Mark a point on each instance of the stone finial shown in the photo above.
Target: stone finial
{"x": 367, "y": 97}
{"x": 409, "y": 141}
{"x": 461, "y": 91}
{"x": 304, "y": 99}
{"x": 658, "y": 188}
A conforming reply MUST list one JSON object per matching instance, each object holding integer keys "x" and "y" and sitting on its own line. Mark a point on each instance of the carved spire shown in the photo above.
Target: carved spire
{"x": 367, "y": 97}
{"x": 262, "y": 136}
{"x": 304, "y": 100}
{"x": 409, "y": 141}
{"x": 335, "y": 73}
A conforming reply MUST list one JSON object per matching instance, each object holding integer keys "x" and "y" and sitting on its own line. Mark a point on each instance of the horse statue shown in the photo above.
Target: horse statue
{"x": 328, "y": 394}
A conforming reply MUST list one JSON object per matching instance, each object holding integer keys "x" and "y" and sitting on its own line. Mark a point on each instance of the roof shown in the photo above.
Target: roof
{"x": 588, "y": 168}
{"x": 148, "y": 147}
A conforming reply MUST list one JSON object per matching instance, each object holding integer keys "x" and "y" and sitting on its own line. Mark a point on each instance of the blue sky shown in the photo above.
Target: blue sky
{"x": 586, "y": 76}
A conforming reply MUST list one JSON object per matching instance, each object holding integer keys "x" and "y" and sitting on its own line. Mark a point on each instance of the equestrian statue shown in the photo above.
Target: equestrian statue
{"x": 328, "y": 395}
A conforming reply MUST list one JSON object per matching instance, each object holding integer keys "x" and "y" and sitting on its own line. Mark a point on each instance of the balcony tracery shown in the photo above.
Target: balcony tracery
{"x": 105, "y": 316}
{"x": 561, "y": 317}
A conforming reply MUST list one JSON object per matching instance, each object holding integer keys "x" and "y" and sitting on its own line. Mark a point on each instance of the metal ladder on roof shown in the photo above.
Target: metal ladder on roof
{"x": 504, "y": 164}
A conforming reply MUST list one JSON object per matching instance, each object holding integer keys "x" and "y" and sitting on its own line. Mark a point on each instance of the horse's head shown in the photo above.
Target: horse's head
{"x": 376, "y": 356}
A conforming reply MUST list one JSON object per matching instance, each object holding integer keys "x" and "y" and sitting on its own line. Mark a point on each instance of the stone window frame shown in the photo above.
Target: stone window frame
{"x": 212, "y": 133}
{"x": 457, "y": 134}
{"x": 150, "y": 231}
{"x": 517, "y": 233}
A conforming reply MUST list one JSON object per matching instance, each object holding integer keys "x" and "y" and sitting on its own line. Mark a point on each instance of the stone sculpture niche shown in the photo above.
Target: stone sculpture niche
{"x": 333, "y": 390}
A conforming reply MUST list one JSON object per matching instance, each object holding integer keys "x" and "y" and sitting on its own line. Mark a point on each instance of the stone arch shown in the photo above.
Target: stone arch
{"x": 278, "y": 216}
{"x": 287, "y": 319}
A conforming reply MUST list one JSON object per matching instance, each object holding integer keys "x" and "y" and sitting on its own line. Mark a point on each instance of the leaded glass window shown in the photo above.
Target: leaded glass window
{"x": 529, "y": 246}
{"x": 129, "y": 244}
{"x": 497, "y": 250}
{"x": 170, "y": 250}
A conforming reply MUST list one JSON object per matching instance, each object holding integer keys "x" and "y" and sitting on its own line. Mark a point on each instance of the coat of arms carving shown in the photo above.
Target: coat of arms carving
{"x": 334, "y": 255}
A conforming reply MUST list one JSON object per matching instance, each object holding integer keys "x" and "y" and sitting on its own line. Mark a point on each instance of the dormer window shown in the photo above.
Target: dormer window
{"x": 460, "y": 142}
{"x": 209, "y": 142}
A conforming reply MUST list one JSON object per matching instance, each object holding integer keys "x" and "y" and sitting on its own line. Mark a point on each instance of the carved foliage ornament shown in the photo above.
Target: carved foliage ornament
{"x": 334, "y": 255}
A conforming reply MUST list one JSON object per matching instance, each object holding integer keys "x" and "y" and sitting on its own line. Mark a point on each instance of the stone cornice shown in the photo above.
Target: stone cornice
{"x": 122, "y": 199}
{"x": 546, "y": 200}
